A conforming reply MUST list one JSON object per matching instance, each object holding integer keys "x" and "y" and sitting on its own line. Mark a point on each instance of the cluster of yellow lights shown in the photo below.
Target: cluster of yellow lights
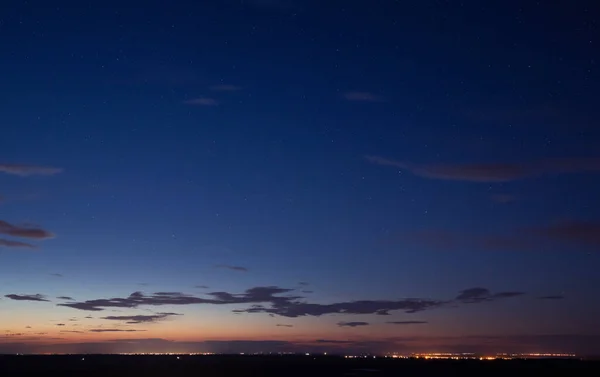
{"x": 463, "y": 356}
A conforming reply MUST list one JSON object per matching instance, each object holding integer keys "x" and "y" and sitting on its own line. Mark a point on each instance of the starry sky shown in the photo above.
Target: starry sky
{"x": 293, "y": 175}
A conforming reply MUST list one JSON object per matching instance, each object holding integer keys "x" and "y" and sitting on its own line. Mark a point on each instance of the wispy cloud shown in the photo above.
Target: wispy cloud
{"x": 357, "y": 96}
{"x": 233, "y": 268}
{"x": 407, "y": 322}
{"x": 65, "y": 298}
{"x": 24, "y": 231}
{"x": 493, "y": 172}
{"x": 272, "y": 301}
{"x": 36, "y": 297}
{"x": 202, "y": 101}
{"x": 225, "y": 88}
{"x": 503, "y": 198}
{"x": 552, "y": 297}
{"x": 281, "y": 5}
{"x": 352, "y": 324}
{"x": 333, "y": 341}
{"x": 16, "y": 244}
{"x": 135, "y": 319}
{"x": 478, "y": 294}
{"x": 283, "y": 325}
{"x": 57, "y": 275}
{"x": 585, "y": 234}
{"x": 115, "y": 330}
{"x": 28, "y": 170}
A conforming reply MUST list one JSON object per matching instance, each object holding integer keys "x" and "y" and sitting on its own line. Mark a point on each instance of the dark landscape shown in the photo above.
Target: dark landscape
{"x": 236, "y": 365}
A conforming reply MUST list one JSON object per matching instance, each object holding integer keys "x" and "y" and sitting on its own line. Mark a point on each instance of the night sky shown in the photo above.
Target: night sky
{"x": 323, "y": 175}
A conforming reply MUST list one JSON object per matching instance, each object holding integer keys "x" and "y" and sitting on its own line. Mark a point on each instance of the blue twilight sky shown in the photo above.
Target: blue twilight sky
{"x": 372, "y": 150}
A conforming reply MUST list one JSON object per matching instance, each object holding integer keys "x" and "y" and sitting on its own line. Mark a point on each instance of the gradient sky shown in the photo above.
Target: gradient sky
{"x": 299, "y": 175}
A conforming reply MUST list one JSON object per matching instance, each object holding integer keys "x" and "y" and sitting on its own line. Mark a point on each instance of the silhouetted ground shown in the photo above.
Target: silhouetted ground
{"x": 282, "y": 366}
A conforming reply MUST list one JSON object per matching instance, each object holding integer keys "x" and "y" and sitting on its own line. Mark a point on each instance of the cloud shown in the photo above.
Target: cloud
{"x": 202, "y": 101}
{"x": 60, "y": 324}
{"x": 16, "y": 244}
{"x": 135, "y": 319}
{"x": 493, "y": 172}
{"x": 362, "y": 97}
{"x": 36, "y": 297}
{"x": 57, "y": 275}
{"x": 28, "y": 170}
{"x": 233, "y": 268}
{"x": 308, "y": 292}
{"x": 333, "y": 341}
{"x": 352, "y": 324}
{"x": 303, "y": 283}
{"x": 271, "y": 300}
{"x": 553, "y": 297}
{"x": 478, "y": 295}
{"x": 136, "y": 299}
{"x": 24, "y": 231}
{"x": 584, "y": 232}
{"x": 503, "y": 198}
{"x": 201, "y": 286}
{"x": 407, "y": 322}
{"x": 115, "y": 330}
{"x": 281, "y": 5}
{"x": 293, "y": 309}
{"x": 65, "y": 298}
{"x": 225, "y": 88}
{"x": 283, "y": 325}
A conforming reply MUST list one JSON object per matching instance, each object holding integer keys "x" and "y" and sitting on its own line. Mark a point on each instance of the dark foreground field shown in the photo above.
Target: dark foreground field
{"x": 281, "y": 366}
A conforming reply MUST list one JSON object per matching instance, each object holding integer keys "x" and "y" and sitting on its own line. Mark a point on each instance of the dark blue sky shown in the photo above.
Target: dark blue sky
{"x": 375, "y": 150}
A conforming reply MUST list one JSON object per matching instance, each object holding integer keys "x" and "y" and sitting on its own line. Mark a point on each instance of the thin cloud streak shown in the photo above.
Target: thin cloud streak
{"x": 24, "y": 170}
{"x": 407, "y": 322}
{"x": 202, "y": 101}
{"x": 35, "y": 297}
{"x": 356, "y": 96}
{"x": 16, "y": 244}
{"x": 225, "y": 88}
{"x": 233, "y": 268}
{"x": 493, "y": 172}
{"x": 135, "y": 319}
{"x": 24, "y": 231}
{"x": 352, "y": 324}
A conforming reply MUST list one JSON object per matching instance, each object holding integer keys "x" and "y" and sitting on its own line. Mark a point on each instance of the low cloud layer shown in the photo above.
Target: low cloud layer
{"x": 493, "y": 172}
{"x": 277, "y": 301}
{"x": 28, "y": 170}
{"x": 36, "y": 297}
